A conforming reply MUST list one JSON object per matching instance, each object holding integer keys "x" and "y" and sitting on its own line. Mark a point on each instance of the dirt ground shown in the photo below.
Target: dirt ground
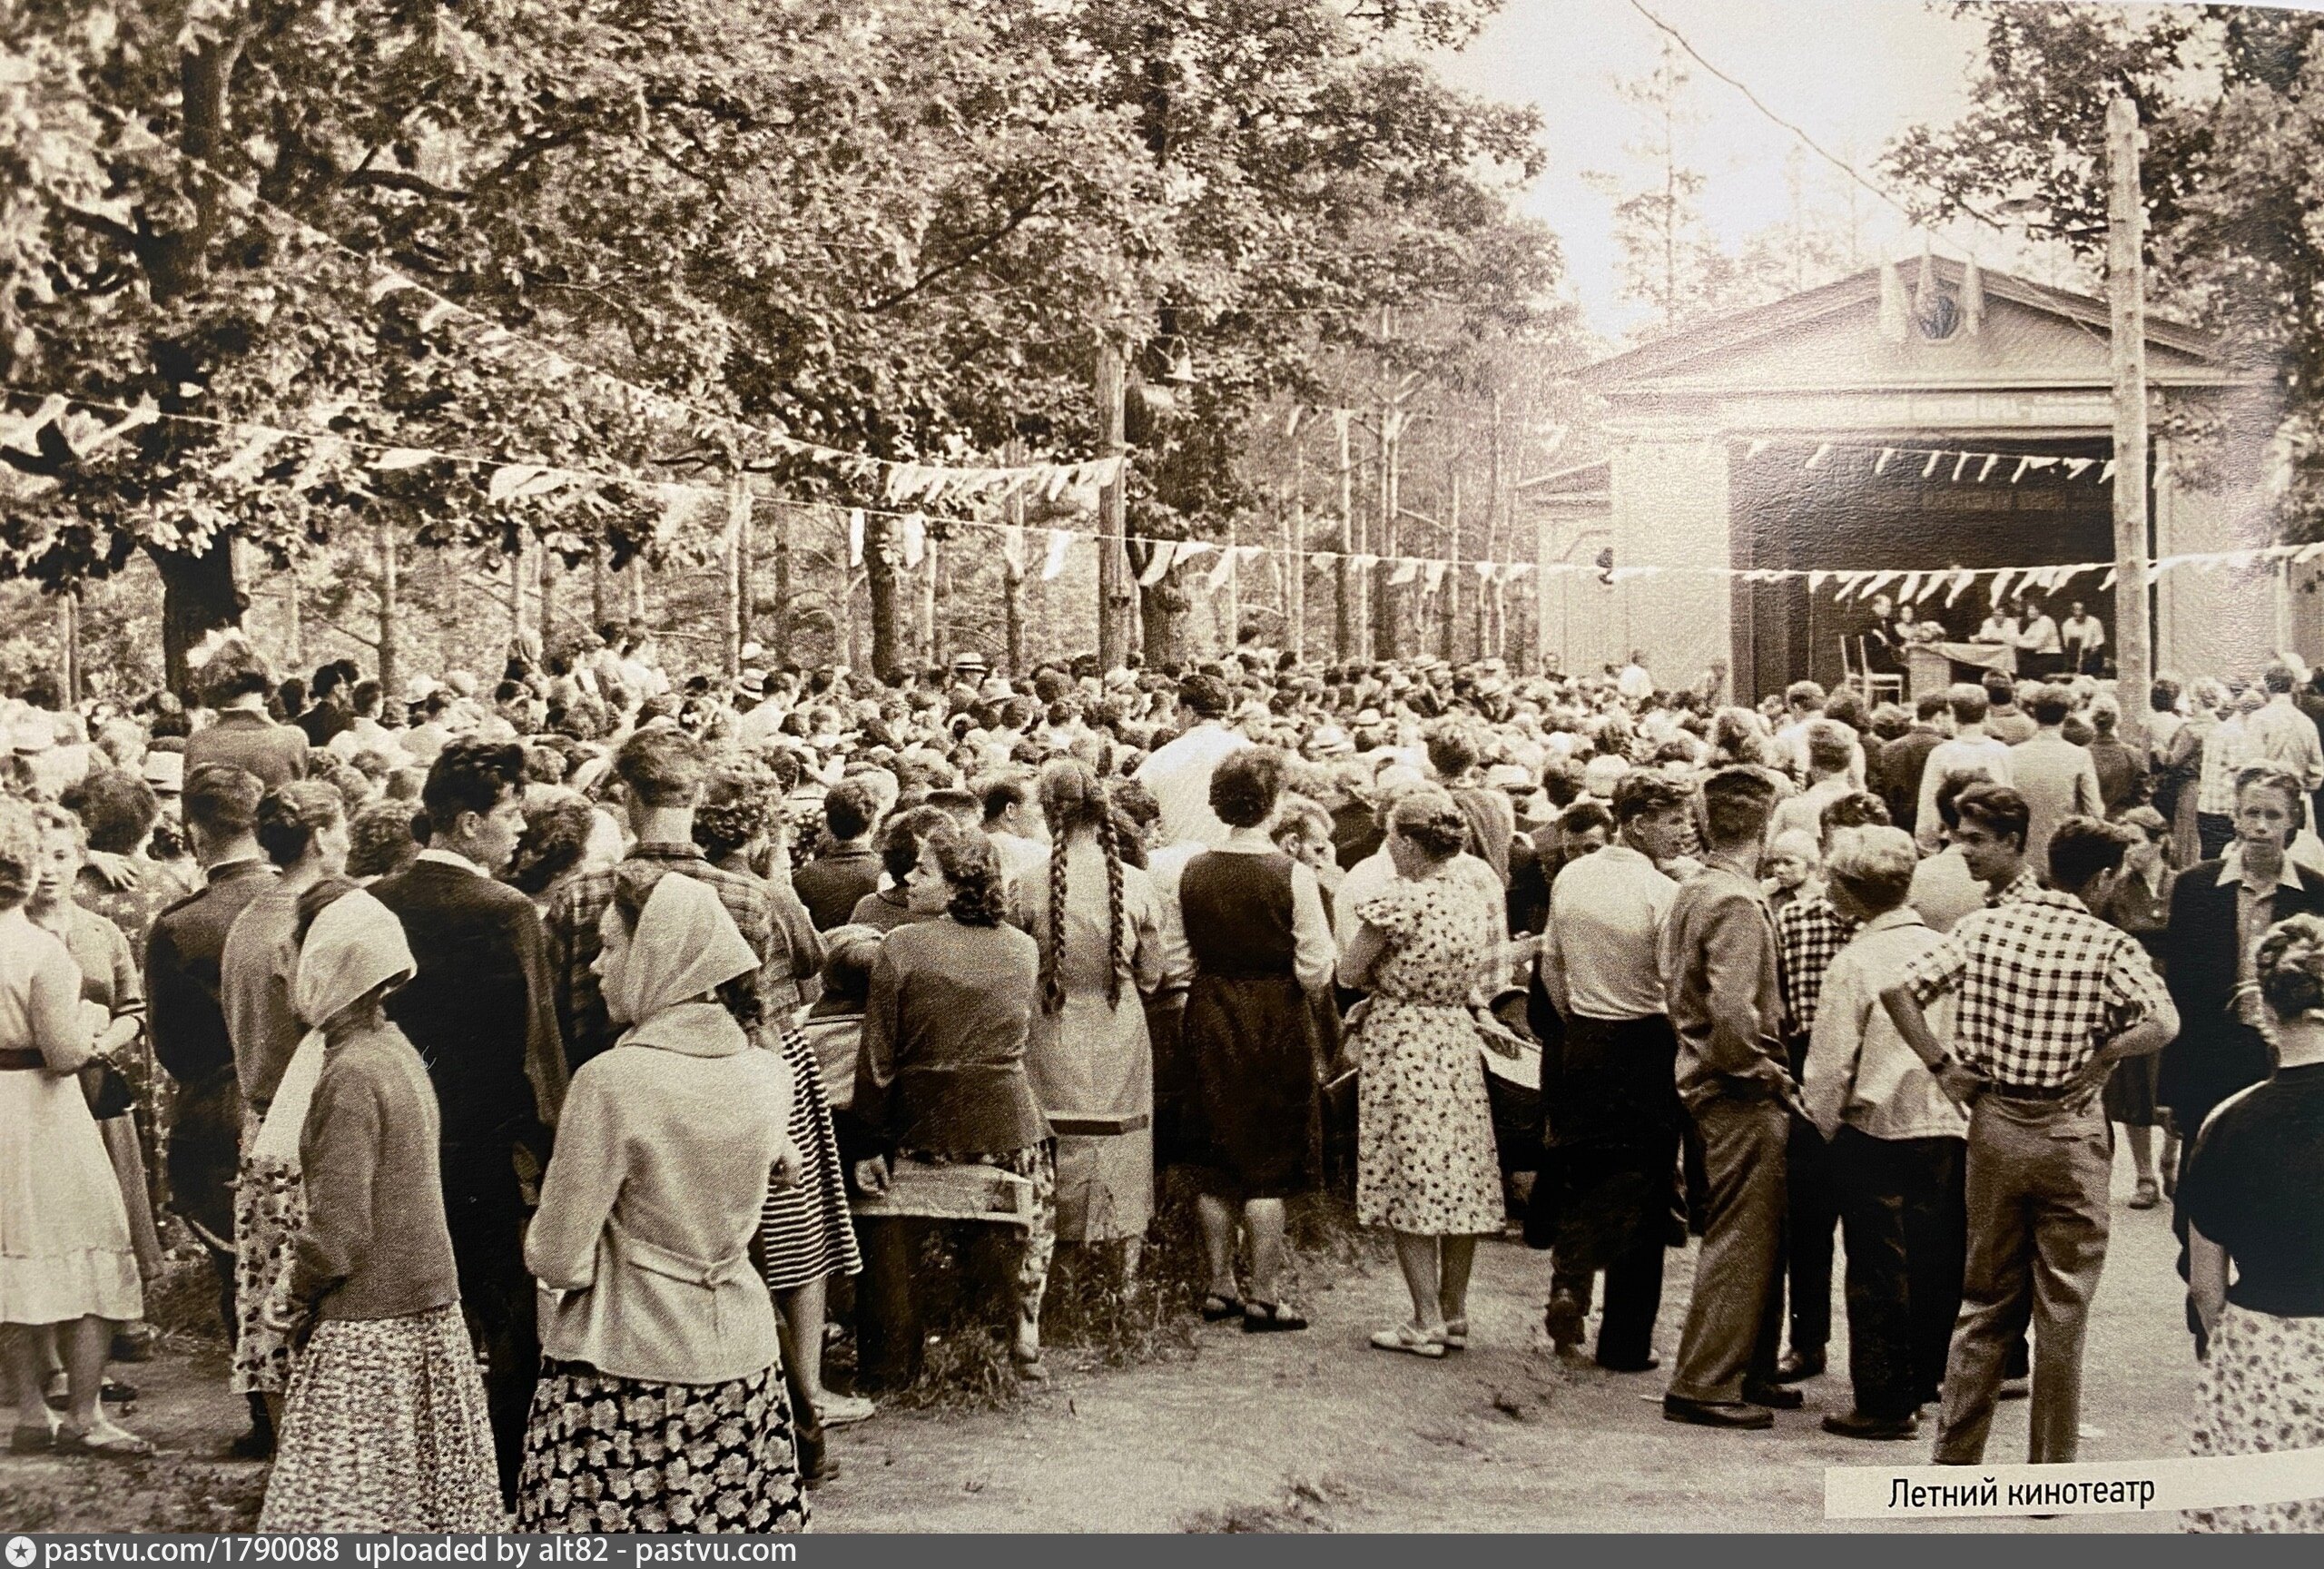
{"x": 1301, "y": 1432}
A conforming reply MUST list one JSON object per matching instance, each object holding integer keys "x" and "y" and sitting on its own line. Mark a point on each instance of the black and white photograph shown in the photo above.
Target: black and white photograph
{"x": 981, "y": 767}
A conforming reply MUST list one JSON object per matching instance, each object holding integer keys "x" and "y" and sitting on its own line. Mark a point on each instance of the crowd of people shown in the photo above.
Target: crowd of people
{"x": 532, "y": 1058}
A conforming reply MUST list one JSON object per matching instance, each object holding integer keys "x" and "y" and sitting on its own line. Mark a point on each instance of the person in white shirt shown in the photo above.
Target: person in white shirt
{"x": 1969, "y": 751}
{"x": 2281, "y": 735}
{"x": 1178, "y": 773}
{"x": 1634, "y": 683}
{"x": 1899, "y": 1144}
{"x": 365, "y": 733}
{"x": 2084, "y": 638}
{"x": 1612, "y": 1105}
{"x": 1829, "y": 747}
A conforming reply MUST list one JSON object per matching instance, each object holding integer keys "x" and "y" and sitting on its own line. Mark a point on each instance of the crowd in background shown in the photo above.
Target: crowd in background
{"x": 546, "y": 1064}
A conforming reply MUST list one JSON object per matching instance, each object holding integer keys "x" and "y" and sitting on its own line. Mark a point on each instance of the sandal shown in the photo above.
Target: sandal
{"x": 1217, "y": 1308}
{"x": 29, "y": 1440}
{"x": 1410, "y": 1337}
{"x": 108, "y": 1443}
{"x": 1271, "y": 1318}
{"x": 1456, "y": 1334}
{"x": 114, "y": 1393}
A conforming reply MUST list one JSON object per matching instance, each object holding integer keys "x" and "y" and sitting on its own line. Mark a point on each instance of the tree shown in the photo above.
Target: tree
{"x": 2232, "y": 102}
{"x": 1667, "y": 253}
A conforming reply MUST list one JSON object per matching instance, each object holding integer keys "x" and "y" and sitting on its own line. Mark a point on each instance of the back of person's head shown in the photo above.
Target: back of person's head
{"x": 663, "y": 768}
{"x": 2105, "y": 715}
{"x": 1804, "y": 696}
{"x": 1452, "y": 749}
{"x": 2279, "y": 677}
{"x": 1737, "y": 803}
{"x": 1072, "y": 799}
{"x": 2083, "y": 848}
{"x": 1205, "y": 696}
{"x": 1948, "y": 792}
{"x": 1830, "y": 747}
{"x": 557, "y": 826}
{"x": 970, "y": 862}
{"x": 998, "y": 793}
{"x": 1846, "y": 706}
{"x": 1970, "y": 703}
{"x": 2049, "y": 704}
{"x": 235, "y": 671}
{"x": 1583, "y": 817}
{"x": 118, "y": 809}
{"x": 1873, "y": 863}
{"x": 1646, "y": 793}
{"x": 848, "y": 955}
{"x": 292, "y": 814}
{"x": 901, "y": 839}
{"x": 2290, "y": 968}
{"x": 1564, "y": 782}
{"x": 851, "y": 809}
{"x": 1998, "y": 809}
{"x": 379, "y": 840}
{"x": 1890, "y": 721}
{"x": 1430, "y": 820}
{"x": 1931, "y": 706}
{"x": 470, "y": 776}
{"x": 2001, "y": 689}
{"x": 1857, "y": 809}
{"x": 221, "y": 801}
{"x": 20, "y": 852}
{"x": 1246, "y": 785}
{"x": 2163, "y": 695}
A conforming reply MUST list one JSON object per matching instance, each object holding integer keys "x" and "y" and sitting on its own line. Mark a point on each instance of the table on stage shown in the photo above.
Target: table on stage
{"x": 1930, "y": 667}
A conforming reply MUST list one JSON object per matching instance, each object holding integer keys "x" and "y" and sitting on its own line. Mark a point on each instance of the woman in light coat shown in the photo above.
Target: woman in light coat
{"x": 662, "y": 1404}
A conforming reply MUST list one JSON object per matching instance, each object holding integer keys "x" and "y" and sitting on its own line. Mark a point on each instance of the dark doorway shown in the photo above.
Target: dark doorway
{"x": 1852, "y": 512}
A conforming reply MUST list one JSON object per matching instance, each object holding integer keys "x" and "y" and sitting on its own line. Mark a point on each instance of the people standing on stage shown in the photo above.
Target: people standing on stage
{"x": 2040, "y": 647}
{"x": 1720, "y": 972}
{"x": 1896, "y": 1144}
{"x": 1613, "y": 1115}
{"x": 2049, "y": 999}
{"x": 2082, "y": 636}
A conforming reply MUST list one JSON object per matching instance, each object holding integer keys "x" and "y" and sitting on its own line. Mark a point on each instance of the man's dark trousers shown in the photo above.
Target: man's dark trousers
{"x": 1906, "y": 1226}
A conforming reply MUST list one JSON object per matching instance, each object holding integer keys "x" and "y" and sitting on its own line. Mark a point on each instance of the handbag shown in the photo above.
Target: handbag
{"x": 107, "y": 1091}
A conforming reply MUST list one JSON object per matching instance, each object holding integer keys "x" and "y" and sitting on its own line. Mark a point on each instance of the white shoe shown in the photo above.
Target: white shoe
{"x": 839, "y": 1410}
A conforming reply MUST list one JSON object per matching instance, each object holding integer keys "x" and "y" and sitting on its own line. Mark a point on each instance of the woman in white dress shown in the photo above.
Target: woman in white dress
{"x": 65, "y": 1255}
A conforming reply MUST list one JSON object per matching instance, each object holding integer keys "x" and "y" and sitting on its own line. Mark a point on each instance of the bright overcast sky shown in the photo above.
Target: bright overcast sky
{"x": 1852, "y": 72}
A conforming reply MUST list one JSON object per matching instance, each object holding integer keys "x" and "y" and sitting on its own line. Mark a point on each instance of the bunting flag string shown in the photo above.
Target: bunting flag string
{"x": 260, "y": 449}
{"x": 1971, "y": 465}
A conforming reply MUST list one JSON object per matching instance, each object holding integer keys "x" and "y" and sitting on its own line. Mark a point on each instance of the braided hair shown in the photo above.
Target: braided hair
{"x": 1073, "y": 801}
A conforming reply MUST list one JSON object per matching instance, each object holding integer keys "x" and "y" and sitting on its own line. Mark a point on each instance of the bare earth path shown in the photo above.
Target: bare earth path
{"x": 1312, "y": 1431}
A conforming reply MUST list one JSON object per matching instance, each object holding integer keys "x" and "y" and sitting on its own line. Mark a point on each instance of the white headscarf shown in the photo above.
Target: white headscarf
{"x": 686, "y": 945}
{"x": 355, "y": 945}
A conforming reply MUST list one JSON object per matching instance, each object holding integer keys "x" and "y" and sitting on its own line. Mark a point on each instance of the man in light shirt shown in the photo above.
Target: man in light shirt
{"x": 2058, "y": 779}
{"x": 1610, "y": 1095}
{"x": 1899, "y": 1144}
{"x": 1178, "y": 773}
{"x": 2281, "y": 735}
{"x": 1969, "y": 751}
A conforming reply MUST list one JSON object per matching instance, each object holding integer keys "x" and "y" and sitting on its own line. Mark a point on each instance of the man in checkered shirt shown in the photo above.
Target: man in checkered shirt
{"x": 1810, "y": 934}
{"x": 2050, "y": 999}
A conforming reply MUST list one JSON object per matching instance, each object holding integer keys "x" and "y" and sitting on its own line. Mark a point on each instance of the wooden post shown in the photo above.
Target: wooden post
{"x": 293, "y": 631}
{"x": 390, "y": 615}
{"x": 597, "y": 571}
{"x": 516, "y": 591}
{"x": 1344, "y": 631}
{"x": 933, "y": 570}
{"x": 2126, "y": 292}
{"x": 730, "y": 641}
{"x": 1012, "y": 569}
{"x": 1294, "y": 555}
{"x": 638, "y": 592}
{"x": 1452, "y": 575}
{"x": 68, "y": 643}
{"x": 1114, "y": 590}
{"x": 746, "y": 577}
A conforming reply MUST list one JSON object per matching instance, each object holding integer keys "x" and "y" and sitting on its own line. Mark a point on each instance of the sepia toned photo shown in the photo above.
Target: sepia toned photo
{"x": 986, "y": 767}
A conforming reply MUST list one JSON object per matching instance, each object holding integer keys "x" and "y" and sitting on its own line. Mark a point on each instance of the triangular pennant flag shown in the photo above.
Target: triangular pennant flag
{"x": 2019, "y": 472}
{"x": 25, "y": 437}
{"x": 1881, "y": 465}
{"x": 1623, "y": 573}
{"x": 1160, "y": 558}
{"x": 1815, "y": 581}
{"x": 1929, "y": 588}
{"x": 2074, "y": 466}
{"x": 1929, "y": 468}
{"x": 1435, "y": 571}
{"x": 143, "y": 414}
{"x": 1223, "y": 571}
{"x": 1193, "y": 550}
{"x": 1909, "y": 590}
{"x": 251, "y": 457}
{"x": 385, "y": 283}
{"x": 1060, "y": 541}
{"x": 396, "y": 457}
{"x": 1755, "y": 448}
{"x": 1525, "y": 569}
{"x": 1959, "y": 464}
{"x": 915, "y": 539}
{"x": 1364, "y": 561}
{"x": 2038, "y": 464}
{"x": 2106, "y": 473}
{"x": 2108, "y": 581}
{"x": 1990, "y": 458}
{"x": 505, "y": 480}
{"x": 1822, "y": 450}
{"x": 2001, "y": 586}
{"x": 855, "y": 537}
{"x": 1484, "y": 571}
{"x": 2307, "y": 553}
{"x": 435, "y": 314}
{"x": 1961, "y": 581}
{"x": 1407, "y": 569}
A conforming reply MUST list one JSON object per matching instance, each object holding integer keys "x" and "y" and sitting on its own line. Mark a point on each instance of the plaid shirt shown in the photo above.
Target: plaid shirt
{"x": 2225, "y": 751}
{"x": 2042, "y": 984}
{"x": 574, "y": 941}
{"x": 1810, "y": 934}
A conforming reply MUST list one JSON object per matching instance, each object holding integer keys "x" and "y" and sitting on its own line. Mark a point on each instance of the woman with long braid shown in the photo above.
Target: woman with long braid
{"x": 1099, "y": 922}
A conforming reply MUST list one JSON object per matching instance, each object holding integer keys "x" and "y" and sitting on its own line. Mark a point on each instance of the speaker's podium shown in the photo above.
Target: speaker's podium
{"x": 1927, "y": 668}
{"x": 1934, "y": 667}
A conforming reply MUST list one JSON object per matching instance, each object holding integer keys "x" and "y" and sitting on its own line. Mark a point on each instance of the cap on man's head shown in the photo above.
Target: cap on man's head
{"x": 1206, "y": 695}
{"x": 164, "y": 773}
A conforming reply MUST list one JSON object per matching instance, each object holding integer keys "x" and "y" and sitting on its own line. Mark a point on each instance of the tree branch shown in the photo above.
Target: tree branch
{"x": 404, "y": 180}
{"x": 976, "y": 248}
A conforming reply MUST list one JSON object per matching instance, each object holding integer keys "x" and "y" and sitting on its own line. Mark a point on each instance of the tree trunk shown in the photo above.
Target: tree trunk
{"x": 597, "y": 585}
{"x": 390, "y": 615}
{"x": 881, "y": 579}
{"x": 782, "y": 630}
{"x": 932, "y": 569}
{"x": 197, "y": 596}
{"x": 68, "y": 643}
{"x": 1163, "y": 607}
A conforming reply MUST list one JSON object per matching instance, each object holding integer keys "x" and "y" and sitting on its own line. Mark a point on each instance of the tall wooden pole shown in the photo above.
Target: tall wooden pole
{"x": 1294, "y": 555}
{"x": 68, "y": 640}
{"x": 730, "y": 641}
{"x": 2126, "y": 291}
{"x": 1496, "y": 512}
{"x": 1344, "y": 631}
{"x": 1013, "y": 570}
{"x": 391, "y": 614}
{"x": 1452, "y": 575}
{"x": 1114, "y": 588}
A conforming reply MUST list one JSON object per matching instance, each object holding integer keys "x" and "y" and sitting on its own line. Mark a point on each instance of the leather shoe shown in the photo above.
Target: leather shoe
{"x": 1647, "y": 1365}
{"x": 1798, "y": 1369}
{"x": 1856, "y": 1425}
{"x": 1774, "y": 1397}
{"x": 1565, "y": 1318}
{"x": 1735, "y": 1415}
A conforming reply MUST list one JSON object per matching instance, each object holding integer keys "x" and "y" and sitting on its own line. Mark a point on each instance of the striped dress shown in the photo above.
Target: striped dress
{"x": 806, "y": 1230}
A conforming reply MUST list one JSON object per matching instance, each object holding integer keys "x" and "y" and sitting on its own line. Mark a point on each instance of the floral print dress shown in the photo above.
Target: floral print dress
{"x": 1425, "y": 1160}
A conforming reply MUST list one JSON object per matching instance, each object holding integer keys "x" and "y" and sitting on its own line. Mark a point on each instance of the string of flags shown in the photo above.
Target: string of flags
{"x": 86, "y": 427}
{"x": 896, "y": 481}
{"x": 1955, "y": 464}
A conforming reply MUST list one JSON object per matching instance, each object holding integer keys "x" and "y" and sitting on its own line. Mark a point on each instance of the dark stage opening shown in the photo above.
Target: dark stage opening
{"x": 1850, "y": 513}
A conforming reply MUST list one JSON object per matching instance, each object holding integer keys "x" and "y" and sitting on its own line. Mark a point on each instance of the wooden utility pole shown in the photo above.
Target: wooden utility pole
{"x": 783, "y": 518}
{"x": 2126, "y": 291}
{"x": 1114, "y": 590}
{"x": 1387, "y": 639}
{"x": 516, "y": 561}
{"x": 68, "y": 640}
{"x": 293, "y": 632}
{"x": 1294, "y": 555}
{"x": 597, "y": 585}
{"x": 730, "y": 641}
{"x": 1012, "y": 569}
{"x": 1494, "y": 514}
{"x": 1452, "y": 575}
{"x": 747, "y": 575}
{"x": 390, "y": 615}
{"x": 1344, "y": 631}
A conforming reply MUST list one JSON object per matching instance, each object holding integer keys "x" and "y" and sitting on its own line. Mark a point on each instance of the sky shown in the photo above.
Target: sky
{"x": 1854, "y": 73}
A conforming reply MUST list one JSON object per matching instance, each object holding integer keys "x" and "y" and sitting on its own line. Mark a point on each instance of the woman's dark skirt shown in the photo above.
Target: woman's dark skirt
{"x": 1251, "y": 1048}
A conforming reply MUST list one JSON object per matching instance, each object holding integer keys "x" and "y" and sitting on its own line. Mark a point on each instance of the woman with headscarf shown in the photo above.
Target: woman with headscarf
{"x": 1099, "y": 922}
{"x": 384, "y": 1426}
{"x": 66, "y": 1262}
{"x": 1427, "y": 1166}
{"x": 662, "y": 1402}
{"x": 302, "y": 828}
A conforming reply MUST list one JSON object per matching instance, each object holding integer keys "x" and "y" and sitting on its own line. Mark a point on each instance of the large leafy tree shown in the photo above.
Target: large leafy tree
{"x": 2232, "y": 102}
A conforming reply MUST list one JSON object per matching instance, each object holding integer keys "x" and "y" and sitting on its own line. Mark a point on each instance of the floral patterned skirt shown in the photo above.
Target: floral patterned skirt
{"x": 270, "y": 1208}
{"x": 622, "y": 1455}
{"x": 384, "y": 1429}
{"x": 2260, "y": 1391}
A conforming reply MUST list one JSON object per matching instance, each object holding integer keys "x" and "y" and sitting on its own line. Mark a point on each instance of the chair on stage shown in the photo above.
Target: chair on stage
{"x": 1876, "y": 689}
